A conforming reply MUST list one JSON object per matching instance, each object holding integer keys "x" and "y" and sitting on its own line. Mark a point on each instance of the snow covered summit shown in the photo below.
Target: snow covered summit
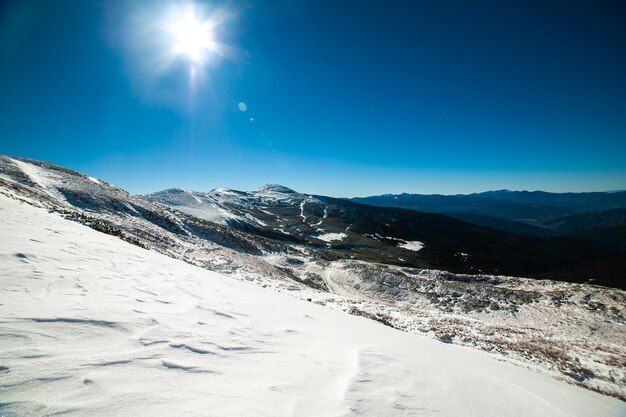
{"x": 276, "y": 188}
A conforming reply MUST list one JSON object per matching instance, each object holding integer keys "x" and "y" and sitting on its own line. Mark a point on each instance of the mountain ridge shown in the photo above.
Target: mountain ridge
{"x": 370, "y": 262}
{"x": 379, "y": 230}
{"x": 536, "y": 213}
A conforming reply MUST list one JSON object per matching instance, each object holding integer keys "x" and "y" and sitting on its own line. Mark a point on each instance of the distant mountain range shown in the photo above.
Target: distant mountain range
{"x": 504, "y": 204}
{"x": 597, "y": 216}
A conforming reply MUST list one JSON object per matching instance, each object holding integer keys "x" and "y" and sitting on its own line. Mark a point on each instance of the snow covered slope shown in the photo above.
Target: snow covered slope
{"x": 93, "y": 326}
{"x": 202, "y": 205}
{"x": 572, "y": 332}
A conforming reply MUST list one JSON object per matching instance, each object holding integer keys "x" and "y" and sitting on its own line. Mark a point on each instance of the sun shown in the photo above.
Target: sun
{"x": 191, "y": 35}
{"x": 177, "y": 46}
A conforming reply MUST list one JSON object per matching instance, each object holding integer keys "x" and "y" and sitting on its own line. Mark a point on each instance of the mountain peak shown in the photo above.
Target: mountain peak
{"x": 277, "y": 188}
{"x": 169, "y": 191}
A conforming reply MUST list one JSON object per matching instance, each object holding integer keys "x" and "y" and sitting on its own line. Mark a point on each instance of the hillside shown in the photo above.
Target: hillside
{"x": 574, "y": 332}
{"x": 341, "y": 229}
{"x": 93, "y": 326}
{"x": 596, "y": 217}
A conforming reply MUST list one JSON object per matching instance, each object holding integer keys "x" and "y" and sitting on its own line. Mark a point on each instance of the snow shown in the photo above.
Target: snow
{"x": 31, "y": 171}
{"x": 254, "y": 219}
{"x": 302, "y": 203}
{"x": 201, "y": 205}
{"x": 273, "y": 193}
{"x": 330, "y": 237}
{"x": 38, "y": 177}
{"x": 224, "y": 191}
{"x": 323, "y": 217}
{"x": 414, "y": 245}
{"x": 198, "y": 200}
{"x": 223, "y": 205}
{"x": 93, "y": 326}
{"x": 571, "y": 332}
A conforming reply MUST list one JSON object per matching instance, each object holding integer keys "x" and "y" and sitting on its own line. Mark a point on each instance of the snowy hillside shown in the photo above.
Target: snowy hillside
{"x": 341, "y": 229}
{"x": 572, "y": 332}
{"x": 94, "y": 326}
{"x": 202, "y": 205}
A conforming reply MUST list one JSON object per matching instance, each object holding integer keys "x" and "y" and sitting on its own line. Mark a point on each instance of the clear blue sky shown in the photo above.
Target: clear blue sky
{"x": 347, "y": 97}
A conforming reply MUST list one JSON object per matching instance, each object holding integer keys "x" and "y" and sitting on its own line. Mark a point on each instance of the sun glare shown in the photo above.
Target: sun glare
{"x": 177, "y": 46}
{"x": 191, "y": 35}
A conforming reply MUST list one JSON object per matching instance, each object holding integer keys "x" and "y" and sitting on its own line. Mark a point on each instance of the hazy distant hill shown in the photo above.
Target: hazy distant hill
{"x": 511, "y": 205}
{"x": 598, "y": 216}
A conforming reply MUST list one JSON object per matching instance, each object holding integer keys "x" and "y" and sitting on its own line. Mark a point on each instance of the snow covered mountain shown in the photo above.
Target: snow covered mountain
{"x": 94, "y": 326}
{"x": 346, "y": 257}
{"x": 340, "y": 229}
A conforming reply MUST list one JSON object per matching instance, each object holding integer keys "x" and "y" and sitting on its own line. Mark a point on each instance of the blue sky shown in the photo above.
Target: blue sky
{"x": 346, "y": 97}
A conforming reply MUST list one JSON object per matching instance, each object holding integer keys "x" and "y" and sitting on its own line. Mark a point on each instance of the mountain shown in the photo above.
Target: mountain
{"x": 276, "y": 218}
{"x": 513, "y": 226}
{"x": 598, "y": 217}
{"x": 91, "y": 326}
{"x": 345, "y": 229}
{"x": 357, "y": 259}
{"x": 606, "y": 227}
{"x": 504, "y": 204}
{"x": 587, "y": 221}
